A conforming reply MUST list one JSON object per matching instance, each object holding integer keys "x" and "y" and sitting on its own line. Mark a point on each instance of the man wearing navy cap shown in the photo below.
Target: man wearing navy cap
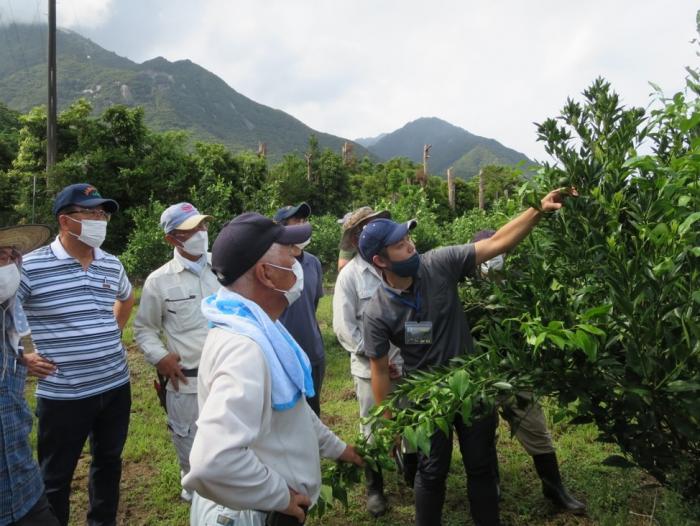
{"x": 527, "y": 420}
{"x": 300, "y": 318}
{"x": 418, "y": 309}
{"x": 78, "y": 299}
{"x": 170, "y": 307}
{"x": 258, "y": 446}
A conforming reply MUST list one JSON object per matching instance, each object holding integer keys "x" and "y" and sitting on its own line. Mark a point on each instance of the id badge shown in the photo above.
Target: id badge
{"x": 418, "y": 332}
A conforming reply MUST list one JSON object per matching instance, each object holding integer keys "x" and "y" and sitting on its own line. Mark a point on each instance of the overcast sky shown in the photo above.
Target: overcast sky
{"x": 363, "y": 67}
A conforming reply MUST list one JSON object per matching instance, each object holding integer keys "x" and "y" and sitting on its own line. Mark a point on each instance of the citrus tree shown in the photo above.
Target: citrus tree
{"x": 600, "y": 306}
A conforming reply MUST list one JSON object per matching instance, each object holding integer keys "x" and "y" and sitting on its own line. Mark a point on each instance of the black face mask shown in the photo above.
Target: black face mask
{"x": 408, "y": 268}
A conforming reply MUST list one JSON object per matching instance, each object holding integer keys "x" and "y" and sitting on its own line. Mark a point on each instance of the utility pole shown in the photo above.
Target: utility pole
{"x": 51, "y": 116}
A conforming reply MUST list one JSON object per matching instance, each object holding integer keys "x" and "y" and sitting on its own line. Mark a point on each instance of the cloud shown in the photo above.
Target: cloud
{"x": 73, "y": 14}
{"x": 76, "y": 14}
{"x": 365, "y": 67}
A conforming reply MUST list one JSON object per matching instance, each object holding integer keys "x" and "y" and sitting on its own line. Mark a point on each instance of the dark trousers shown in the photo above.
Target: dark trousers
{"x": 318, "y": 371}
{"x": 476, "y": 443}
{"x": 41, "y": 514}
{"x": 64, "y": 425}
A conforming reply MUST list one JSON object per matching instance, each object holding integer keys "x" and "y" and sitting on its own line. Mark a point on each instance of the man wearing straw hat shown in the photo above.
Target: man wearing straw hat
{"x": 354, "y": 287}
{"x": 22, "y": 497}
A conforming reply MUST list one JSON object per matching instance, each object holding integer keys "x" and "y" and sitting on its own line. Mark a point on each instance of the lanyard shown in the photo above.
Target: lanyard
{"x": 415, "y": 306}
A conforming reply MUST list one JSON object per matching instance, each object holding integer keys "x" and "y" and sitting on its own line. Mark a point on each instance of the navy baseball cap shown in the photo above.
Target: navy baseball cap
{"x": 286, "y": 212}
{"x": 245, "y": 239}
{"x": 381, "y": 233}
{"x": 82, "y": 194}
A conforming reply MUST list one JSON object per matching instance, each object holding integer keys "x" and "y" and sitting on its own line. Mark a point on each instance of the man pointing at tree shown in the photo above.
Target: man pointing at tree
{"x": 417, "y": 308}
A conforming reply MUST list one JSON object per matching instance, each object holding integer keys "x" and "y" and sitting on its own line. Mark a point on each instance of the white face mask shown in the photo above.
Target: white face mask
{"x": 495, "y": 263}
{"x": 198, "y": 244}
{"x": 92, "y": 231}
{"x": 295, "y": 290}
{"x": 9, "y": 281}
{"x": 302, "y": 246}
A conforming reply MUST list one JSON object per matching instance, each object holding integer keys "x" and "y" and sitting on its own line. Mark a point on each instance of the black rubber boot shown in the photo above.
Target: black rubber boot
{"x": 376, "y": 501}
{"x": 552, "y": 486}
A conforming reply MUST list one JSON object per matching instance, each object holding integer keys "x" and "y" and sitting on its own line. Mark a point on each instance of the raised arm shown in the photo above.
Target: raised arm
{"x": 513, "y": 232}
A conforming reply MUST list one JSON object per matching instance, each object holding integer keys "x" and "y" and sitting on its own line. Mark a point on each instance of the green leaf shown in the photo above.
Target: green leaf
{"x": 459, "y": 382}
{"x": 409, "y": 435}
{"x": 326, "y": 493}
{"x": 587, "y": 345}
{"x": 596, "y": 311}
{"x": 639, "y": 391}
{"x": 680, "y": 386}
{"x": 644, "y": 162}
{"x": 557, "y": 340}
{"x": 423, "y": 439}
{"x": 540, "y": 339}
{"x": 660, "y": 234}
{"x": 592, "y": 329}
{"x": 442, "y": 424}
{"x": 685, "y": 225}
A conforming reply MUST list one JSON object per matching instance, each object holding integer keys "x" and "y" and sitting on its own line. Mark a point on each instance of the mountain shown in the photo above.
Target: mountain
{"x": 369, "y": 141}
{"x": 452, "y": 146}
{"x": 174, "y": 95}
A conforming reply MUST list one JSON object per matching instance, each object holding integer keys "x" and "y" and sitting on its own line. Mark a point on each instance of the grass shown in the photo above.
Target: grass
{"x": 150, "y": 481}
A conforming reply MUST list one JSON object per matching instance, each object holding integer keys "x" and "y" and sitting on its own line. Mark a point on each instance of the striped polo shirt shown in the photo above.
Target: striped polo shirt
{"x": 70, "y": 314}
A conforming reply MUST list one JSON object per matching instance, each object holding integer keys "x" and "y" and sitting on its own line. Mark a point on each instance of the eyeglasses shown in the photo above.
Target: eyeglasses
{"x": 95, "y": 213}
{"x": 8, "y": 255}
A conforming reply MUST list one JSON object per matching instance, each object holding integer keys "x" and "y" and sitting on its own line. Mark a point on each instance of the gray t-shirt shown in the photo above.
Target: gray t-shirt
{"x": 434, "y": 298}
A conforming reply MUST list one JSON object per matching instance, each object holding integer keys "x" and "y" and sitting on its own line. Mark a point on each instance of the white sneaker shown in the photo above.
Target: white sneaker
{"x": 186, "y": 495}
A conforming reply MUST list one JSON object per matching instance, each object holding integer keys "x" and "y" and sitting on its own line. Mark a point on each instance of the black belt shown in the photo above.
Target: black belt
{"x": 190, "y": 373}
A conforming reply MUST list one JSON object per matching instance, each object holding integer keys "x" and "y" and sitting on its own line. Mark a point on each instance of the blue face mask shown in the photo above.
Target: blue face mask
{"x": 408, "y": 268}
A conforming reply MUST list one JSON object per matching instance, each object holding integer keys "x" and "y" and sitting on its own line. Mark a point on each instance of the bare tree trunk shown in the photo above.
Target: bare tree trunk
{"x": 426, "y": 156}
{"x": 451, "y": 198}
{"x": 347, "y": 152}
{"x": 262, "y": 150}
{"x": 308, "y": 158}
{"x": 481, "y": 189}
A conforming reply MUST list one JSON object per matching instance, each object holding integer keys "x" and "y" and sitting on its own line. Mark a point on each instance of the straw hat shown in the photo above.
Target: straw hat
{"x": 24, "y": 238}
{"x": 358, "y": 219}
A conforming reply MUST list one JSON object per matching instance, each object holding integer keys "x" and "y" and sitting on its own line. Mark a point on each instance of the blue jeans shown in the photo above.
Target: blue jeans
{"x": 64, "y": 426}
{"x": 476, "y": 443}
